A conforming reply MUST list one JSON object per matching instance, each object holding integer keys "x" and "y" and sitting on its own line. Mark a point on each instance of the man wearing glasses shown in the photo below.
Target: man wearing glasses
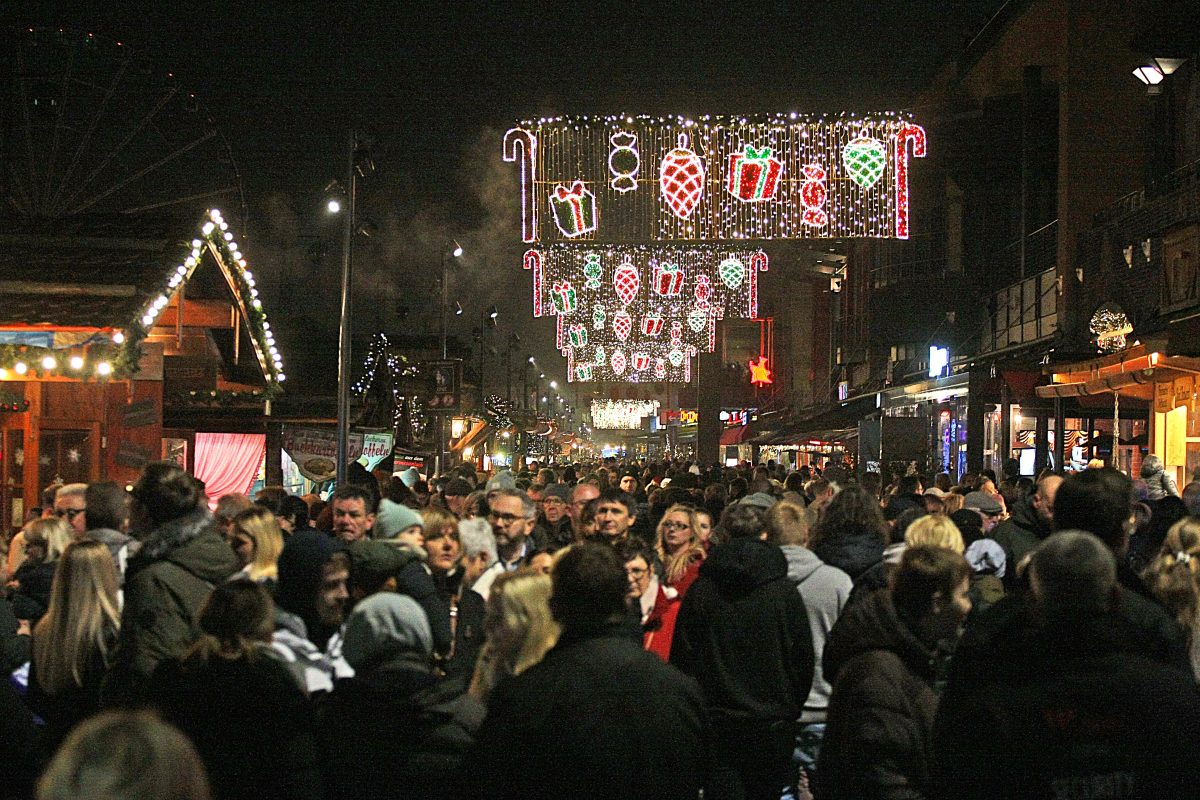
{"x": 70, "y": 504}
{"x": 555, "y": 526}
{"x": 512, "y": 516}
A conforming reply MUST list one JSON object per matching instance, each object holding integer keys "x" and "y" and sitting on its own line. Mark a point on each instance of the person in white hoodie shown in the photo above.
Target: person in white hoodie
{"x": 826, "y": 590}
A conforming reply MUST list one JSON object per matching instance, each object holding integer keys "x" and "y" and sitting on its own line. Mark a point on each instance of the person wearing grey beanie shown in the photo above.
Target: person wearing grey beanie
{"x": 393, "y": 724}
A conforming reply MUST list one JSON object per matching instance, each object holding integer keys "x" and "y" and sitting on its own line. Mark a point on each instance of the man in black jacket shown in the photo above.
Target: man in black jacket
{"x": 599, "y": 717}
{"x": 743, "y": 633}
{"x": 1032, "y": 521}
{"x": 1067, "y": 704}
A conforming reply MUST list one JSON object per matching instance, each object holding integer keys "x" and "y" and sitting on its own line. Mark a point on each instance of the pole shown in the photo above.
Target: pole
{"x": 343, "y": 400}
{"x": 445, "y": 305}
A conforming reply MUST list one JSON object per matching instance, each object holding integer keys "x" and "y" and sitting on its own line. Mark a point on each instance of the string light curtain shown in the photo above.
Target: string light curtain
{"x": 621, "y": 415}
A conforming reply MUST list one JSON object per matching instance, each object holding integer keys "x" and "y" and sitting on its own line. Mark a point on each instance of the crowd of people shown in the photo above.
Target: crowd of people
{"x": 614, "y": 630}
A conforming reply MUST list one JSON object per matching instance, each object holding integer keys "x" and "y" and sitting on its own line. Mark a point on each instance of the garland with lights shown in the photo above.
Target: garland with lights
{"x": 496, "y": 412}
{"x": 719, "y": 178}
{"x": 114, "y": 354}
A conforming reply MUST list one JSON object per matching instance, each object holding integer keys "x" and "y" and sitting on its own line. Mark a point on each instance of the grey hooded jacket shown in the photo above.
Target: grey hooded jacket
{"x": 825, "y": 590}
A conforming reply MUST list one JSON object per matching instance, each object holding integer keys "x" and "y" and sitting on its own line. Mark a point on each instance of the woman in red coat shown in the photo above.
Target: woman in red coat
{"x": 680, "y": 547}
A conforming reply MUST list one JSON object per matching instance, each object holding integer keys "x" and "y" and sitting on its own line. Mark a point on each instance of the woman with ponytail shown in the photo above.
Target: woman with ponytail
{"x": 1174, "y": 580}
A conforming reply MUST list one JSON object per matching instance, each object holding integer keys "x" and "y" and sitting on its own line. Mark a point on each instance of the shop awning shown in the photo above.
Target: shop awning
{"x": 477, "y": 434}
{"x": 732, "y": 436}
{"x": 1101, "y": 385}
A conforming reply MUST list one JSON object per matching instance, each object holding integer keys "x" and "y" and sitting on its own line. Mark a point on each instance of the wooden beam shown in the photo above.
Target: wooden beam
{"x": 199, "y": 314}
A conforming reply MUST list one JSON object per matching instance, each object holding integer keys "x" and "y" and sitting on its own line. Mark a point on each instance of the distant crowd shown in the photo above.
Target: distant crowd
{"x": 610, "y": 630}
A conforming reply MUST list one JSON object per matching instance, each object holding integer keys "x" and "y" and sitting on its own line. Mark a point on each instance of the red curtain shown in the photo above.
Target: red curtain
{"x": 228, "y": 463}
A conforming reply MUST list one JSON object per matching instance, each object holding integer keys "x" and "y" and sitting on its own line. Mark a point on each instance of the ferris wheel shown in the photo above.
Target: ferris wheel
{"x": 90, "y": 127}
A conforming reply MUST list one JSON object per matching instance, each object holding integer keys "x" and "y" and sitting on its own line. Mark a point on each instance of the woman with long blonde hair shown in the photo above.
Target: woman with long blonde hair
{"x": 257, "y": 540}
{"x": 519, "y": 628}
{"x": 45, "y": 541}
{"x": 74, "y": 641}
{"x": 680, "y": 547}
{"x": 1174, "y": 580}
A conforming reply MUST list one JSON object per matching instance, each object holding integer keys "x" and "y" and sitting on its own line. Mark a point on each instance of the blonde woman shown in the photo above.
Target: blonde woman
{"x": 74, "y": 641}
{"x": 519, "y": 628}
{"x": 257, "y": 540}
{"x": 680, "y": 547}
{"x": 45, "y": 541}
{"x": 935, "y": 530}
{"x": 1174, "y": 580}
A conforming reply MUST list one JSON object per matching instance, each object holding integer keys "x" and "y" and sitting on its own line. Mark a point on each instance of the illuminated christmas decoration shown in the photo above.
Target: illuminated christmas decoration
{"x": 592, "y": 271}
{"x": 681, "y": 179}
{"x": 562, "y": 295}
{"x": 907, "y": 133}
{"x": 864, "y": 159}
{"x": 668, "y": 279}
{"x": 624, "y": 161}
{"x": 521, "y": 145}
{"x": 754, "y": 174}
{"x": 813, "y": 194}
{"x": 622, "y": 414}
{"x": 579, "y": 335}
{"x": 760, "y": 374}
{"x": 574, "y": 209}
{"x": 626, "y": 282}
{"x": 629, "y": 315}
{"x": 1110, "y": 326}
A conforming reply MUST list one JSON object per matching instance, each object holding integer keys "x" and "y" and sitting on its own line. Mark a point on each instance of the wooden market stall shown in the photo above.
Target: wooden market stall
{"x": 110, "y": 325}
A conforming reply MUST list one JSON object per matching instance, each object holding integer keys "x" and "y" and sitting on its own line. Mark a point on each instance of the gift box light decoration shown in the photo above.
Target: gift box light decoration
{"x": 621, "y": 415}
{"x": 720, "y": 178}
{"x": 638, "y": 312}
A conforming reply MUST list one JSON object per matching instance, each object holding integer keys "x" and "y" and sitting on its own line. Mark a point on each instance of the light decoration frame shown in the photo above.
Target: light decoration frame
{"x": 621, "y": 415}
{"x": 665, "y": 311}
{"x": 565, "y": 150}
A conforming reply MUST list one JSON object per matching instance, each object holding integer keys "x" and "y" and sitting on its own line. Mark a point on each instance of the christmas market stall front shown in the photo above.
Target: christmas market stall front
{"x": 123, "y": 340}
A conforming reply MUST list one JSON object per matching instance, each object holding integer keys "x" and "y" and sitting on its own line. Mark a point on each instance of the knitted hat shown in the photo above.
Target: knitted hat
{"x": 410, "y": 477}
{"x": 383, "y": 626}
{"x": 458, "y": 487}
{"x": 372, "y": 562}
{"x": 501, "y": 480}
{"x": 393, "y": 518}
{"x": 304, "y": 556}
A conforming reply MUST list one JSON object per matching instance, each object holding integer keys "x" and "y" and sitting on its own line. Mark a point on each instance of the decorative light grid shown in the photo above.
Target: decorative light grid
{"x": 621, "y": 415}
{"x": 715, "y": 178}
{"x": 638, "y": 313}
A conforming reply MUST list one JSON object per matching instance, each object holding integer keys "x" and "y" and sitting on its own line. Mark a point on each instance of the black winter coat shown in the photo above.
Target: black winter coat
{"x": 250, "y": 722}
{"x": 852, "y": 553}
{"x": 743, "y": 634}
{"x": 879, "y": 726}
{"x": 1019, "y": 535}
{"x": 393, "y": 733}
{"x": 1066, "y": 711}
{"x": 600, "y": 718}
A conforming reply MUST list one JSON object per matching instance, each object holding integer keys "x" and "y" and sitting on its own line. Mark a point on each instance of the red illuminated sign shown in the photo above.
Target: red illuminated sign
{"x": 760, "y": 374}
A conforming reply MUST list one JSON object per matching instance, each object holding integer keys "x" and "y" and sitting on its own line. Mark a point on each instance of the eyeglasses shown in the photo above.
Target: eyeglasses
{"x": 675, "y": 526}
{"x": 503, "y": 519}
{"x": 69, "y": 513}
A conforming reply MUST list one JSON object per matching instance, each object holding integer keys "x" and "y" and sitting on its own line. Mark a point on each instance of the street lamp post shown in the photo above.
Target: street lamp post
{"x": 442, "y": 455}
{"x": 343, "y": 397}
{"x": 513, "y": 340}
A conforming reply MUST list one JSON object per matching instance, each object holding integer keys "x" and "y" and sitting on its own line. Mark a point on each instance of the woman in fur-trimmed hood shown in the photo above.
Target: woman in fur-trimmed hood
{"x": 182, "y": 557}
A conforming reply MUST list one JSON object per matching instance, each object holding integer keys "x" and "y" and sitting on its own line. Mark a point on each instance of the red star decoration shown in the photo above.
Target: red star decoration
{"x": 760, "y": 374}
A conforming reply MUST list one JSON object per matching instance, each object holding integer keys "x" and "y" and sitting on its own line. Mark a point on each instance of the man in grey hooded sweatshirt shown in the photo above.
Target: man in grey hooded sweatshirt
{"x": 826, "y": 590}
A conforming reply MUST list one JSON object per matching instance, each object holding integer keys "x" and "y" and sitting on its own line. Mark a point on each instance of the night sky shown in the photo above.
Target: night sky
{"x": 437, "y": 84}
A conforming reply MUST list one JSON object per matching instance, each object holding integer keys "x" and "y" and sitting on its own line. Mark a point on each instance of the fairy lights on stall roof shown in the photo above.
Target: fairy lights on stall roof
{"x": 621, "y": 414}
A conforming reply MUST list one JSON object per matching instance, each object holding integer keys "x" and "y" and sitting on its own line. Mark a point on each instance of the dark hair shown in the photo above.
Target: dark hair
{"x": 589, "y": 587}
{"x": 107, "y": 505}
{"x": 925, "y": 571}
{"x": 1099, "y": 501}
{"x": 352, "y": 491}
{"x": 740, "y": 521}
{"x": 909, "y": 484}
{"x": 617, "y": 496}
{"x": 295, "y": 508}
{"x": 635, "y": 548}
{"x": 234, "y": 618}
{"x": 851, "y": 511}
{"x": 166, "y": 492}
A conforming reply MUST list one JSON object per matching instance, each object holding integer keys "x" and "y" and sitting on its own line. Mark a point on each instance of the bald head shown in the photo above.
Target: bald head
{"x": 1043, "y": 498}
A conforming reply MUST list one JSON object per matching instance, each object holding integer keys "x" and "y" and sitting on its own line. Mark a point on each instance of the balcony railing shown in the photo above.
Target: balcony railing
{"x": 1041, "y": 254}
{"x": 1021, "y": 313}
